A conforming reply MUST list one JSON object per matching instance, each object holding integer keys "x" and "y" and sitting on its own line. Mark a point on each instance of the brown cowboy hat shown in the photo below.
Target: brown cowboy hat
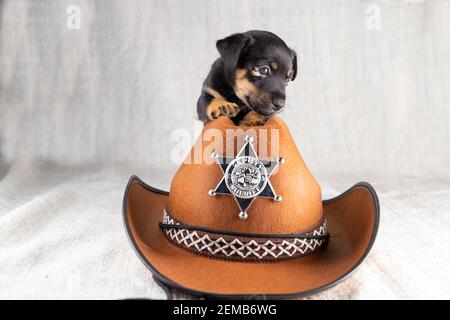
{"x": 275, "y": 239}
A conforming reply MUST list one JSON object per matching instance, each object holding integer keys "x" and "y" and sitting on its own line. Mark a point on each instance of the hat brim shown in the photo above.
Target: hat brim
{"x": 352, "y": 221}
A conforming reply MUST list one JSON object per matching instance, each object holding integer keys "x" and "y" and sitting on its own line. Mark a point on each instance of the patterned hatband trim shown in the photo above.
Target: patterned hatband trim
{"x": 243, "y": 247}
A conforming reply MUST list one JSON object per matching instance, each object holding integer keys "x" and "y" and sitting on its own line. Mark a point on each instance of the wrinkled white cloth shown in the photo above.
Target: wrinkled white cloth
{"x": 62, "y": 236}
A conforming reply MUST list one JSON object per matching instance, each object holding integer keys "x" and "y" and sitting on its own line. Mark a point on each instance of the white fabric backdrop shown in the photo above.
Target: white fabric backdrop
{"x": 81, "y": 110}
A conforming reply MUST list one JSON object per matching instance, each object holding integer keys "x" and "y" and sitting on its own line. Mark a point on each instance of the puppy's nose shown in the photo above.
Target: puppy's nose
{"x": 278, "y": 103}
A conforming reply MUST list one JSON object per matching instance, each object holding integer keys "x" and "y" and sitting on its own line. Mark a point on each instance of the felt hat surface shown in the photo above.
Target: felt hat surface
{"x": 290, "y": 243}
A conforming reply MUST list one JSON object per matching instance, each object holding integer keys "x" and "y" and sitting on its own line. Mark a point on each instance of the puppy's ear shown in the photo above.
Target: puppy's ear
{"x": 231, "y": 48}
{"x": 294, "y": 64}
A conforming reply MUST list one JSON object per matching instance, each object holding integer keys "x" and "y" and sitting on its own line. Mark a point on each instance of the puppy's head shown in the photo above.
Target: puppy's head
{"x": 258, "y": 65}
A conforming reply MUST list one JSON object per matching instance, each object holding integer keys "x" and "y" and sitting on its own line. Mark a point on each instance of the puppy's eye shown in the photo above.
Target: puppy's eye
{"x": 263, "y": 70}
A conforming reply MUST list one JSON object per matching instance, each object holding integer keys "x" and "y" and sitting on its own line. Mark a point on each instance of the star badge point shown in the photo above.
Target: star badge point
{"x": 246, "y": 177}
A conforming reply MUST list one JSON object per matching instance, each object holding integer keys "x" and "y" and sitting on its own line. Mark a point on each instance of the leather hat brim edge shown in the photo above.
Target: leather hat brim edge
{"x": 168, "y": 285}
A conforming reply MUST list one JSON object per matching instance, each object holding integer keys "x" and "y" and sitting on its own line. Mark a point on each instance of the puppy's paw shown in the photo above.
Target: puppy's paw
{"x": 252, "y": 119}
{"x": 219, "y": 108}
{"x": 230, "y": 109}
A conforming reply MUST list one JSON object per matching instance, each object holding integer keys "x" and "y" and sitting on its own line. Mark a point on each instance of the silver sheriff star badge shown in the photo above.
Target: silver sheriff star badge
{"x": 246, "y": 177}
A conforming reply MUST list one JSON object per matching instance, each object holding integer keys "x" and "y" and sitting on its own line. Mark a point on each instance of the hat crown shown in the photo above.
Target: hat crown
{"x": 190, "y": 202}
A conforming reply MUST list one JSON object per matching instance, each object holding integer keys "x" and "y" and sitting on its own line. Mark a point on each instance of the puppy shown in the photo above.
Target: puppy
{"x": 247, "y": 83}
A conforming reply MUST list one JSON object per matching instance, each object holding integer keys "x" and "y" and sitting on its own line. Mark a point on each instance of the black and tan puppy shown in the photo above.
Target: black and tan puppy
{"x": 248, "y": 82}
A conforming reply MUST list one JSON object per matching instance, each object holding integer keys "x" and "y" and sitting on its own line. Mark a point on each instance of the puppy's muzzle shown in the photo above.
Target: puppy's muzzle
{"x": 278, "y": 103}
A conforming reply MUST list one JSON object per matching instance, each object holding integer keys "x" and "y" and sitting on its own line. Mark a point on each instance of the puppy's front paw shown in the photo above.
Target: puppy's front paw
{"x": 219, "y": 108}
{"x": 252, "y": 119}
{"x": 231, "y": 110}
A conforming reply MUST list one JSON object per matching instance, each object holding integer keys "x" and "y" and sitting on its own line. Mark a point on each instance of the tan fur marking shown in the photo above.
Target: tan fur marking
{"x": 243, "y": 86}
{"x": 214, "y": 93}
{"x": 274, "y": 65}
{"x": 252, "y": 119}
{"x": 254, "y": 73}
